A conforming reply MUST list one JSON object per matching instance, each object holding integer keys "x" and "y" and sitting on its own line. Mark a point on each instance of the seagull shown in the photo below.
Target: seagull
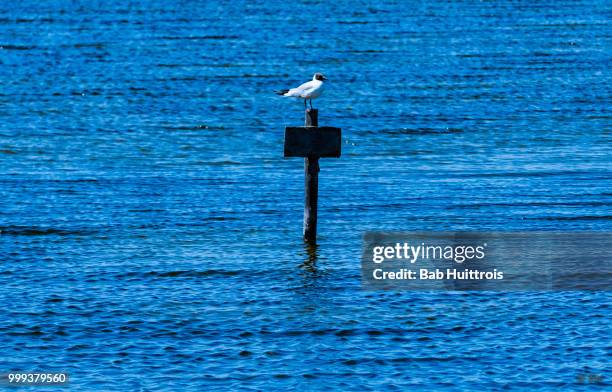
{"x": 309, "y": 90}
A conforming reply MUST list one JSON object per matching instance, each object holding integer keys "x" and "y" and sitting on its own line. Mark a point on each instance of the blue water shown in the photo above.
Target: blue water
{"x": 151, "y": 229}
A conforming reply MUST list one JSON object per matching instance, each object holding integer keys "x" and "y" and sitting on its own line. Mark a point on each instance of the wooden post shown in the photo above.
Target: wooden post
{"x": 311, "y": 184}
{"x": 311, "y": 118}
{"x": 312, "y": 142}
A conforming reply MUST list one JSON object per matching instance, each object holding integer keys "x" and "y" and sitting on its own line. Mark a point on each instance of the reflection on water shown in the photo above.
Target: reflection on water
{"x": 311, "y": 253}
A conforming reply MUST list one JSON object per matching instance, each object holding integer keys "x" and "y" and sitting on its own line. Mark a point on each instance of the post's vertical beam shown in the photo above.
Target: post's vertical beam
{"x": 311, "y": 184}
{"x": 311, "y": 118}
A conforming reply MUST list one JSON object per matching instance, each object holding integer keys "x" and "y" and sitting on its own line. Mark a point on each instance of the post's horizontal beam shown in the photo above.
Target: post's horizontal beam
{"x": 323, "y": 142}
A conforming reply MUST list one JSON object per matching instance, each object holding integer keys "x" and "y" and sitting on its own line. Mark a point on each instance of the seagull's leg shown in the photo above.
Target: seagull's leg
{"x": 304, "y": 103}
{"x": 311, "y": 103}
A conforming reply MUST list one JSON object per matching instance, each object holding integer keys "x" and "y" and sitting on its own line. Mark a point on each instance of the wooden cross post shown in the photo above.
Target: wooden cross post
{"x": 312, "y": 142}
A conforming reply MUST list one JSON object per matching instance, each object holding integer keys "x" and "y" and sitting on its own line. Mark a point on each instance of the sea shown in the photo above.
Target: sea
{"x": 151, "y": 229}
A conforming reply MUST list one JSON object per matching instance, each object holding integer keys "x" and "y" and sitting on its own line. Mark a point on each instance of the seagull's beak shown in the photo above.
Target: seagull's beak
{"x": 324, "y": 78}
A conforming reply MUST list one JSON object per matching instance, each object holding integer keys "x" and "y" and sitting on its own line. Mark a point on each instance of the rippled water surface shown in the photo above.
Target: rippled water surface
{"x": 151, "y": 230}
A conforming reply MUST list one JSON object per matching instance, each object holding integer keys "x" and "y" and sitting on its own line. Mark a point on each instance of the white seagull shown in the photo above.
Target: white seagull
{"x": 309, "y": 90}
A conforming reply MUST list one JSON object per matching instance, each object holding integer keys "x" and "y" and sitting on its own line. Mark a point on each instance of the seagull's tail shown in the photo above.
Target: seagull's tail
{"x": 282, "y": 92}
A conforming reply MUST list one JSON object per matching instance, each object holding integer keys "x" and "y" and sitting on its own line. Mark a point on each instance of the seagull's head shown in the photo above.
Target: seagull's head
{"x": 319, "y": 76}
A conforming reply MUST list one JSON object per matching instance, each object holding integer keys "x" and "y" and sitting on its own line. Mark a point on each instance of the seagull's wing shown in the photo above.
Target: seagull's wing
{"x": 302, "y": 90}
